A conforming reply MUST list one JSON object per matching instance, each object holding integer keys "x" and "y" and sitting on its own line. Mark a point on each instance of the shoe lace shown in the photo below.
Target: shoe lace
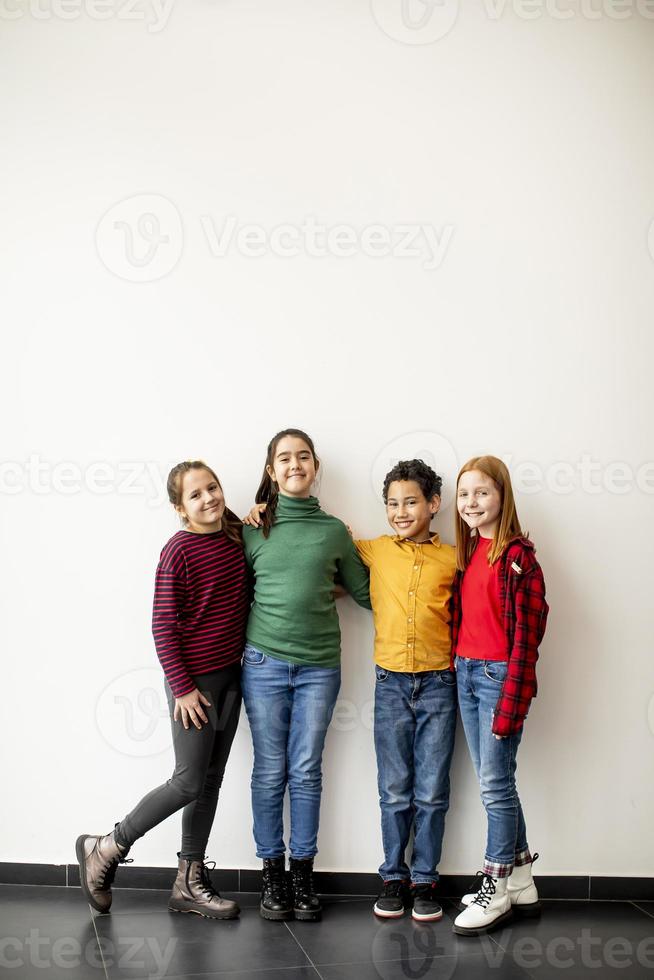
{"x": 275, "y": 880}
{"x": 302, "y": 879}
{"x": 486, "y": 891}
{"x": 108, "y": 873}
{"x": 207, "y": 885}
{"x": 302, "y": 874}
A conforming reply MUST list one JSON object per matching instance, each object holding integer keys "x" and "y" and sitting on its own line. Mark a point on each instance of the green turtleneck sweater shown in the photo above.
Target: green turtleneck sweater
{"x": 294, "y": 615}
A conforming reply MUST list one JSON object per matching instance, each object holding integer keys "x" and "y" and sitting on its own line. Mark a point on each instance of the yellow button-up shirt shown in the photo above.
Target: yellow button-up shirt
{"x": 410, "y": 590}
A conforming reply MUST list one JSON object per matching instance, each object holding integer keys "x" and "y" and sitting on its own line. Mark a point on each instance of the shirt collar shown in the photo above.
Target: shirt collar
{"x": 433, "y": 539}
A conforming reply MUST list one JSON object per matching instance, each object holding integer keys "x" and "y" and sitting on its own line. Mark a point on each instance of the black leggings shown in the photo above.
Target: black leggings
{"x": 200, "y": 759}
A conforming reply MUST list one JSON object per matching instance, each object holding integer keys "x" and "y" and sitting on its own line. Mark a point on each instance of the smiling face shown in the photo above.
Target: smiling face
{"x": 479, "y": 502}
{"x": 203, "y": 503}
{"x": 293, "y": 468}
{"x": 408, "y": 511}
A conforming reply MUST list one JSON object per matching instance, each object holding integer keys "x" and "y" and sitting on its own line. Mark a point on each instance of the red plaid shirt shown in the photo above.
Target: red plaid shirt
{"x": 522, "y": 597}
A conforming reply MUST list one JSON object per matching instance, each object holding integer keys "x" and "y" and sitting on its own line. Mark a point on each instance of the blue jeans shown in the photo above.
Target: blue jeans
{"x": 289, "y": 708}
{"x": 479, "y": 683}
{"x": 415, "y": 724}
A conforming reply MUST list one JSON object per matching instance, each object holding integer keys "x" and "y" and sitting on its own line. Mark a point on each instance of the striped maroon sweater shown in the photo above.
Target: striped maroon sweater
{"x": 201, "y": 603}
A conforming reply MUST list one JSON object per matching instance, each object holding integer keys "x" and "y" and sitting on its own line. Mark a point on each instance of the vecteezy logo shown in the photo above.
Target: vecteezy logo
{"x": 416, "y": 954}
{"x": 141, "y": 238}
{"x": 415, "y": 21}
{"x": 431, "y": 447}
{"x": 132, "y": 715}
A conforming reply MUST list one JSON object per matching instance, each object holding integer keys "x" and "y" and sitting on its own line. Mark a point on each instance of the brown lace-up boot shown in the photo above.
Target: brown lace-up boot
{"x": 193, "y": 892}
{"x": 98, "y": 859}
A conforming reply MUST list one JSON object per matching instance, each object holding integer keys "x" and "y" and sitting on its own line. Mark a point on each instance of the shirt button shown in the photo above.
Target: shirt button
{"x": 410, "y": 619}
{"x": 415, "y": 568}
{"x": 410, "y": 593}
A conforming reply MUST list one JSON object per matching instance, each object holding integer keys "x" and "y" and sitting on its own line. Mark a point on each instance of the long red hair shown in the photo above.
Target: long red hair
{"x": 508, "y": 526}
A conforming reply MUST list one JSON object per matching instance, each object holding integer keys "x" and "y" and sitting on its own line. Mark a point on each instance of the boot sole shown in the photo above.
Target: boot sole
{"x": 81, "y": 860}
{"x": 303, "y": 916}
{"x": 527, "y": 911}
{"x": 272, "y": 916}
{"x": 205, "y": 915}
{"x": 495, "y": 924}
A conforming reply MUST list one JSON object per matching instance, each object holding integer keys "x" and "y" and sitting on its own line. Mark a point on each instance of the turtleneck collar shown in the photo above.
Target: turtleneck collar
{"x": 297, "y": 506}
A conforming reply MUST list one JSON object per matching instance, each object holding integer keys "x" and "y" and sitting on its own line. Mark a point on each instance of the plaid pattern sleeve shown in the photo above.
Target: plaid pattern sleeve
{"x": 525, "y": 611}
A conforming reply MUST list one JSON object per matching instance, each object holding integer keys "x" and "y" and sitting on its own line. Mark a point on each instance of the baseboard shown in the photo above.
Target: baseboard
{"x": 587, "y": 887}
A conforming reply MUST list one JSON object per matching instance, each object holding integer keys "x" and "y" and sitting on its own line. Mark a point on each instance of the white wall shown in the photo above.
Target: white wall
{"x": 526, "y": 146}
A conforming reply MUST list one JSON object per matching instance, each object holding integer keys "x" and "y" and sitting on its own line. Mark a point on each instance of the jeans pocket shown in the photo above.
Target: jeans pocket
{"x": 447, "y": 677}
{"x": 381, "y": 674}
{"x": 253, "y": 657}
{"x": 496, "y": 670}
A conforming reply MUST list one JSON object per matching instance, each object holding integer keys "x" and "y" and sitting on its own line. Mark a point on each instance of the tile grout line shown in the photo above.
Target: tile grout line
{"x": 636, "y": 905}
{"x": 236, "y": 973}
{"x": 97, "y": 939}
{"x": 311, "y": 963}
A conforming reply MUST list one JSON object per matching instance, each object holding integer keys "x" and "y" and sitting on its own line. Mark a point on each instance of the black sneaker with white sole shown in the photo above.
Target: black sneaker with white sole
{"x": 393, "y": 899}
{"x": 426, "y": 907}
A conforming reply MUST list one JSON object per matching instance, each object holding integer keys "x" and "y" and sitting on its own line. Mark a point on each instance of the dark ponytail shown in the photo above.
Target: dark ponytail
{"x": 268, "y": 492}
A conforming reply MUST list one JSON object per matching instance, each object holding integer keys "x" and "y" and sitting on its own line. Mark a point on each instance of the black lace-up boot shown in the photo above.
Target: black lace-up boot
{"x": 276, "y": 903}
{"x": 306, "y": 904}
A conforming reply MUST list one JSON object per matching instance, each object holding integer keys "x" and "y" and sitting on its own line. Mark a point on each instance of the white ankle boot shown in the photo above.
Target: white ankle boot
{"x": 489, "y": 908}
{"x": 521, "y": 890}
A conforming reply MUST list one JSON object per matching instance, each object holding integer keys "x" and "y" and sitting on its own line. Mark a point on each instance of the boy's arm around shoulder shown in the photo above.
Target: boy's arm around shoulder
{"x": 352, "y": 572}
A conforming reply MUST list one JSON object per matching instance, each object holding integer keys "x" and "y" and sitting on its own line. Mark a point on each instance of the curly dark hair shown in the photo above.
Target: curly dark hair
{"x": 414, "y": 469}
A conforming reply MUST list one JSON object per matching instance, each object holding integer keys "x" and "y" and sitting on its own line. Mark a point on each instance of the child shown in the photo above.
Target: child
{"x": 498, "y": 621}
{"x": 411, "y": 575}
{"x": 200, "y": 609}
{"x": 291, "y": 663}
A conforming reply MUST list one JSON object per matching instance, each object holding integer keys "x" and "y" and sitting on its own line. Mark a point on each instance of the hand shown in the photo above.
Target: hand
{"x": 498, "y": 737}
{"x": 253, "y": 519}
{"x": 189, "y": 707}
{"x": 350, "y": 531}
{"x": 338, "y": 591}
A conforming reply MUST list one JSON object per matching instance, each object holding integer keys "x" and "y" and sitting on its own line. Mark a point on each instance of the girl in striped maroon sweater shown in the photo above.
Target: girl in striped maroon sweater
{"x": 201, "y": 602}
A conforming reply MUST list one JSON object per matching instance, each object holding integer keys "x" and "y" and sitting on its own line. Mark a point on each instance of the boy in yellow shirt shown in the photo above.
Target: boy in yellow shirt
{"x": 411, "y": 576}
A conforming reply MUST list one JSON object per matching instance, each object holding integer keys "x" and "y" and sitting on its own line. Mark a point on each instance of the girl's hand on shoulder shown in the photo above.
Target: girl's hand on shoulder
{"x": 253, "y": 519}
{"x": 189, "y": 708}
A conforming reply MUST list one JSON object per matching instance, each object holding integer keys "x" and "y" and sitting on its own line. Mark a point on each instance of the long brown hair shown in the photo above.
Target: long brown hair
{"x": 231, "y": 524}
{"x": 508, "y": 526}
{"x": 268, "y": 492}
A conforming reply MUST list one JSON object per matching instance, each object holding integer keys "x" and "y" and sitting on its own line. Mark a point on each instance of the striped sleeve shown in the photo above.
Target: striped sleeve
{"x": 169, "y": 599}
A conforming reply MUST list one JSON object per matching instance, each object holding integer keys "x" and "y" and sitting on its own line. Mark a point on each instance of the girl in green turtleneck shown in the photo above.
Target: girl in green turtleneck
{"x": 291, "y": 663}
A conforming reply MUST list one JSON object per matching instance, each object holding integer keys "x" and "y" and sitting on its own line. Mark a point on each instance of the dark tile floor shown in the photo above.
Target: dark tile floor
{"x": 51, "y": 932}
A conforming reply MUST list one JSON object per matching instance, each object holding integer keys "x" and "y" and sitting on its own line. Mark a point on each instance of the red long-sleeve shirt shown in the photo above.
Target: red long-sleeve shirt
{"x": 522, "y": 598}
{"x": 200, "y": 608}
